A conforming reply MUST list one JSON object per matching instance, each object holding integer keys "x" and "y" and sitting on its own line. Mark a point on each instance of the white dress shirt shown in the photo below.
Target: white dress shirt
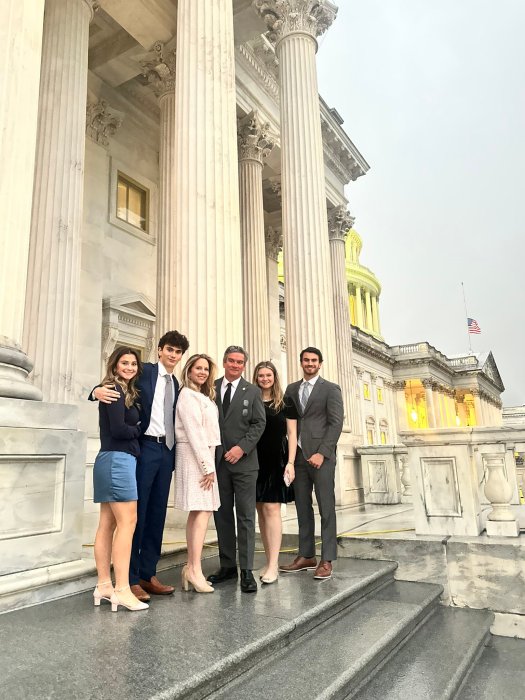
{"x": 156, "y": 424}
{"x": 224, "y": 386}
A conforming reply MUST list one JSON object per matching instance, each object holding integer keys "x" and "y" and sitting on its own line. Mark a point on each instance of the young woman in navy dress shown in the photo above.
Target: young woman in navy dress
{"x": 276, "y": 453}
{"x": 114, "y": 481}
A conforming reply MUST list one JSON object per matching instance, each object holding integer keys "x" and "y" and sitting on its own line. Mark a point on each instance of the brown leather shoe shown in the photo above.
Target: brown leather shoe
{"x": 140, "y": 593}
{"x": 299, "y": 564}
{"x": 324, "y": 570}
{"x": 155, "y": 587}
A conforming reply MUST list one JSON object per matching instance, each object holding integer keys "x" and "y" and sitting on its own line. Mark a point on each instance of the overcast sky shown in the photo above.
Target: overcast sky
{"x": 433, "y": 95}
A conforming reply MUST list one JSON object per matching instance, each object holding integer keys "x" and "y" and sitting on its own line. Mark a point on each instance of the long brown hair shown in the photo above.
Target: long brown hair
{"x": 276, "y": 392}
{"x": 131, "y": 392}
{"x": 208, "y": 388}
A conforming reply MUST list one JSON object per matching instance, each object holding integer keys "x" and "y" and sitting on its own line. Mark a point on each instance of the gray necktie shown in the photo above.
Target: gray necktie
{"x": 169, "y": 426}
{"x": 305, "y": 395}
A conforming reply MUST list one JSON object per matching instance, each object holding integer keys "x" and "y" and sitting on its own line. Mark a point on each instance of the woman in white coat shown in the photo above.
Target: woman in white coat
{"x": 197, "y": 434}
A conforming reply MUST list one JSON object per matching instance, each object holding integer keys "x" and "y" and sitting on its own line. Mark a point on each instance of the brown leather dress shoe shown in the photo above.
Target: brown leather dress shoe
{"x": 140, "y": 593}
{"x": 155, "y": 587}
{"x": 299, "y": 564}
{"x": 324, "y": 570}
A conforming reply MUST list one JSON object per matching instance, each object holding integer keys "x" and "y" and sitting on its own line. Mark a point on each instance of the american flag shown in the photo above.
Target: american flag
{"x": 473, "y": 326}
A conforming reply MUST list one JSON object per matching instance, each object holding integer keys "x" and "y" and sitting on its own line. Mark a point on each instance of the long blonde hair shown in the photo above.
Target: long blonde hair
{"x": 131, "y": 392}
{"x": 276, "y": 392}
{"x": 208, "y": 388}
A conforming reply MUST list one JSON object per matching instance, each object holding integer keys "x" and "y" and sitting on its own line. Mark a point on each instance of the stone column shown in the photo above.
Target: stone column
{"x": 401, "y": 405}
{"x": 255, "y": 143}
{"x": 208, "y": 265}
{"x": 359, "y": 308}
{"x": 52, "y": 301}
{"x": 274, "y": 244}
{"x": 160, "y": 72}
{"x": 20, "y": 52}
{"x": 429, "y": 399}
{"x": 375, "y": 316}
{"x": 339, "y": 223}
{"x": 478, "y": 407}
{"x": 293, "y": 26}
{"x": 368, "y": 306}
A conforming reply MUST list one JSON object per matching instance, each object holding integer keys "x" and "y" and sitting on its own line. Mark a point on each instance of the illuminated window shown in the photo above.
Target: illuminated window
{"x": 366, "y": 390}
{"x": 370, "y": 436}
{"x": 380, "y": 394}
{"x": 383, "y": 437}
{"x": 132, "y": 202}
{"x": 370, "y": 430}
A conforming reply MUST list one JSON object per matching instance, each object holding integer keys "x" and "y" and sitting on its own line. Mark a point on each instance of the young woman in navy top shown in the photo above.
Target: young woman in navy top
{"x": 114, "y": 481}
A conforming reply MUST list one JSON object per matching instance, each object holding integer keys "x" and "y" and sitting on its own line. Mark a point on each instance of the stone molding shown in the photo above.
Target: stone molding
{"x": 255, "y": 139}
{"x": 285, "y": 17}
{"x": 101, "y": 122}
{"x": 160, "y": 71}
{"x": 340, "y": 222}
{"x": 259, "y": 71}
{"x": 274, "y": 242}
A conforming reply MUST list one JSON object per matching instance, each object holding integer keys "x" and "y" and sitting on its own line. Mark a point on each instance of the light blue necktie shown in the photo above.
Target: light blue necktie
{"x": 305, "y": 395}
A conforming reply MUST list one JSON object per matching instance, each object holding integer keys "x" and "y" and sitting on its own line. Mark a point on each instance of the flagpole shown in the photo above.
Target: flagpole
{"x": 466, "y": 319}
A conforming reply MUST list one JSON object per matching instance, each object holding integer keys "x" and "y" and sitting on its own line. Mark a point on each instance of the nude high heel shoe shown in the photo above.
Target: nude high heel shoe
{"x": 187, "y": 581}
{"x": 116, "y": 601}
{"x": 98, "y": 596}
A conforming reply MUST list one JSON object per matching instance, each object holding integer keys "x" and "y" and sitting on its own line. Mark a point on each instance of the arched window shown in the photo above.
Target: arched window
{"x": 383, "y": 432}
{"x": 371, "y": 430}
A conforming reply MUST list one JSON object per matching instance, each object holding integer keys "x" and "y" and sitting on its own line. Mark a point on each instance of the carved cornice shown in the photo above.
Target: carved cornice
{"x": 274, "y": 242}
{"x": 259, "y": 71}
{"x": 101, "y": 122}
{"x": 160, "y": 71}
{"x": 254, "y": 137}
{"x": 285, "y": 17}
{"x": 339, "y": 223}
{"x": 337, "y": 155}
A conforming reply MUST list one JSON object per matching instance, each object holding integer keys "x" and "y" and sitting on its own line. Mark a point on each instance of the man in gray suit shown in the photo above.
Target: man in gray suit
{"x": 319, "y": 406}
{"x": 241, "y": 419}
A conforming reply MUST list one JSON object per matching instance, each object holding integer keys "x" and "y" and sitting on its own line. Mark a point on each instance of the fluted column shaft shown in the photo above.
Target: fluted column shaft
{"x": 309, "y": 305}
{"x": 273, "y": 247}
{"x": 429, "y": 399}
{"x": 368, "y": 305}
{"x": 359, "y": 308}
{"x": 375, "y": 315}
{"x": 343, "y": 330}
{"x": 52, "y": 303}
{"x": 166, "y": 241}
{"x": 401, "y": 405}
{"x": 20, "y": 52}
{"x": 207, "y": 262}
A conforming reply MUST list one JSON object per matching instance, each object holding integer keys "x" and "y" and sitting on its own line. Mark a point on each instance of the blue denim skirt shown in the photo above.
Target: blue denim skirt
{"x": 114, "y": 477}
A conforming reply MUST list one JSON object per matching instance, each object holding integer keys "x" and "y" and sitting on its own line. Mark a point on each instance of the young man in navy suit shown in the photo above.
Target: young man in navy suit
{"x": 159, "y": 390}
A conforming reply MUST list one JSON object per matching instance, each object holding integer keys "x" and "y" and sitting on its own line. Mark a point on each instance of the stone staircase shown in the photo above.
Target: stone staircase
{"x": 359, "y": 635}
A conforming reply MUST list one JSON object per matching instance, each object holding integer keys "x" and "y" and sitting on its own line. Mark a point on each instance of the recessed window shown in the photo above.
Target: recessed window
{"x": 132, "y": 202}
{"x": 366, "y": 390}
{"x": 370, "y": 436}
{"x": 383, "y": 437}
{"x": 379, "y": 394}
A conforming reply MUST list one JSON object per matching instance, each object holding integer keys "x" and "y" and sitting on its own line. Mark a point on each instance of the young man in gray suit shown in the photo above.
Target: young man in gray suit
{"x": 241, "y": 419}
{"x": 319, "y": 405}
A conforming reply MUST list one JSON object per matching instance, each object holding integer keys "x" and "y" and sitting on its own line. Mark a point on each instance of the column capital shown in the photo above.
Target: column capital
{"x": 101, "y": 122}
{"x": 428, "y": 383}
{"x": 274, "y": 242}
{"x": 93, "y": 6}
{"x": 254, "y": 138}
{"x": 285, "y": 17}
{"x": 399, "y": 385}
{"x": 340, "y": 221}
{"x": 160, "y": 70}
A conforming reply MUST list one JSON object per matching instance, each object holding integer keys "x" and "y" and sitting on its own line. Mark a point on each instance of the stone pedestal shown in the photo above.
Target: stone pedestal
{"x": 20, "y": 50}
{"x": 381, "y": 479}
{"x": 42, "y": 466}
{"x": 208, "y": 276}
{"x": 52, "y": 301}
{"x": 348, "y": 474}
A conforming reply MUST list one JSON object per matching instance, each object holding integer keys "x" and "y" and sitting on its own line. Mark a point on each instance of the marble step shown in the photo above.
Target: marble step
{"x": 334, "y": 658}
{"x": 435, "y": 660}
{"x": 186, "y": 645}
{"x": 499, "y": 673}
